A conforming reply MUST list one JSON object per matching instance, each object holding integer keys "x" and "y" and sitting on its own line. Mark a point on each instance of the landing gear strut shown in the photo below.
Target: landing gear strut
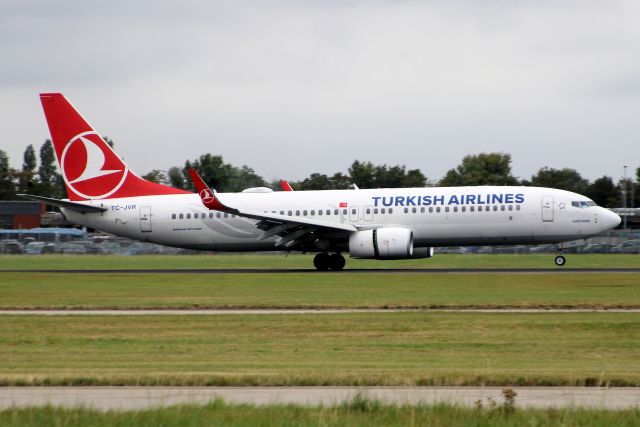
{"x": 560, "y": 260}
{"x": 324, "y": 261}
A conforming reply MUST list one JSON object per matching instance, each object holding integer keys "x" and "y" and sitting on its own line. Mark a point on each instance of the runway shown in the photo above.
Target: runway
{"x": 313, "y": 271}
{"x": 130, "y": 398}
{"x": 223, "y": 312}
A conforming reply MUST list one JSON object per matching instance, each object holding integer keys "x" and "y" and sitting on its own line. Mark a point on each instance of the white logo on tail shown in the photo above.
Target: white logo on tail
{"x": 93, "y": 168}
{"x": 95, "y": 162}
{"x": 206, "y": 196}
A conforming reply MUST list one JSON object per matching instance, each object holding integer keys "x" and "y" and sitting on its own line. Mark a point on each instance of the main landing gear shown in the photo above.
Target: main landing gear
{"x": 560, "y": 260}
{"x": 324, "y": 261}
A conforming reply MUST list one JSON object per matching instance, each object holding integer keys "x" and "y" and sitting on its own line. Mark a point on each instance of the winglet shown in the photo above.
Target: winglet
{"x": 284, "y": 184}
{"x": 207, "y": 196}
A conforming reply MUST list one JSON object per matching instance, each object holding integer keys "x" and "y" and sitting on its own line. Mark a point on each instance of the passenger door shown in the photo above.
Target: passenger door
{"x": 547, "y": 208}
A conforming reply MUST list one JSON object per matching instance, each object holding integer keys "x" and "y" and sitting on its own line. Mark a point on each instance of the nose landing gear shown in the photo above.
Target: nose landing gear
{"x": 560, "y": 260}
{"x": 324, "y": 262}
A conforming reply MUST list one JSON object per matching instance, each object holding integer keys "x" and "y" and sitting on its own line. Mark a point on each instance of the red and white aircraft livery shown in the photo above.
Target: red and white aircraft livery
{"x": 382, "y": 224}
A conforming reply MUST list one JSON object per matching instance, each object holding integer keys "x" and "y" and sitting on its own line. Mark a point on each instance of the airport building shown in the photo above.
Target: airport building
{"x": 20, "y": 214}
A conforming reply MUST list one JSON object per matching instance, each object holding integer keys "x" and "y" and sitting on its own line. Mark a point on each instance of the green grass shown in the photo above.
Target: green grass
{"x": 296, "y": 261}
{"x": 316, "y": 290}
{"x": 331, "y": 349}
{"x": 355, "y": 413}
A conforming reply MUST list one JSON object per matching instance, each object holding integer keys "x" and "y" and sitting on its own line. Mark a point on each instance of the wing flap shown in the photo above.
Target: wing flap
{"x": 78, "y": 207}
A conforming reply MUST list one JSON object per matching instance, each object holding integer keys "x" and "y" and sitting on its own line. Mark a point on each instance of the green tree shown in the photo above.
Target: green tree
{"x": 156, "y": 176}
{"x": 481, "y": 169}
{"x": 222, "y": 176}
{"x": 7, "y": 186}
{"x": 564, "y": 179}
{"x": 604, "y": 192}
{"x": 27, "y": 175}
{"x": 316, "y": 181}
{"x": 176, "y": 178}
{"x": 50, "y": 181}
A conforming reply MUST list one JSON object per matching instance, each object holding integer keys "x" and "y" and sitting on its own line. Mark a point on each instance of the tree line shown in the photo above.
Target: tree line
{"x": 39, "y": 176}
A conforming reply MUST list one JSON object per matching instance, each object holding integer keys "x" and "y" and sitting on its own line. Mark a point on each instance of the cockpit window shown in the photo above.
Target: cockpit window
{"x": 583, "y": 204}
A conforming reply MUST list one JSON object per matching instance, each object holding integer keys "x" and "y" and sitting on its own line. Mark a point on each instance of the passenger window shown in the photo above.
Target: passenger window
{"x": 375, "y": 210}
{"x": 438, "y": 209}
{"x": 335, "y": 211}
{"x": 181, "y": 216}
{"x": 422, "y": 209}
{"x": 173, "y": 216}
{"x": 218, "y": 215}
{"x": 328, "y": 211}
{"x": 195, "y": 216}
{"x": 406, "y": 210}
{"x": 226, "y": 215}
{"x": 518, "y": 207}
{"x": 383, "y": 210}
{"x": 290, "y": 213}
{"x": 495, "y": 208}
{"x": 368, "y": 211}
{"x": 188, "y": 216}
{"x": 297, "y": 213}
{"x": 353, "y": 211}
{"x": 464, "y": 209}
{"x": 281, "y": 212}
{"x": 430, "y": 209}
{"x": 344, "y": 211}
{"x": 446, "y": 209}
{"x": 313, "y": 212}
{"x": 319, "y": 211}
{"x": 502, "y": 207}
{"x": 390, "y": 210}
{"x": 510, "y": 207}
{"x": 471, "y": 208}
{"x": 413, "y": 210}
{"x": 455, "y": 209}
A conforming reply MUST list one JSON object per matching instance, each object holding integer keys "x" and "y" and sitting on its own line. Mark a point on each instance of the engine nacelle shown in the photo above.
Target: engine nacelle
{"x": 423, "y": 252}
{"x": 382, "y": 243}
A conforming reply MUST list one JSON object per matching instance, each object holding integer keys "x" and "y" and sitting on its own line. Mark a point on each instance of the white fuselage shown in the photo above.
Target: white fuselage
{"x": 439, "y": 216}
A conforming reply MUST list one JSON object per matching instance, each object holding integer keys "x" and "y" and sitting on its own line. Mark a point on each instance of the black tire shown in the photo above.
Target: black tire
{"x": 337, "y": 262}
{"x": 322, "y": 261}
{"x": 560, "y": 260}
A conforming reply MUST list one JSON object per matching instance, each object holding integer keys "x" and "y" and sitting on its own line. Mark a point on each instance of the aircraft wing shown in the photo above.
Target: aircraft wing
{"x": 78, "y": 207}
{"x": 291, "y": 231}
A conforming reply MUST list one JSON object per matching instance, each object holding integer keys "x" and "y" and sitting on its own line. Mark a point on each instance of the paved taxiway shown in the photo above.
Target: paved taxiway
{"x": 216, "y": 312}
{"x": 355, "y": 270}
{"x": 106, "y": 398}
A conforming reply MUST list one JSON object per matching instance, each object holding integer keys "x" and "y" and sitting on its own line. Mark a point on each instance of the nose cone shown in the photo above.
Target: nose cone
{"x": 610, "y": 219}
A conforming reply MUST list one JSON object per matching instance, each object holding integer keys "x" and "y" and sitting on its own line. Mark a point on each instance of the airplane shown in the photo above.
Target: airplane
{"x": 388, "y": 223}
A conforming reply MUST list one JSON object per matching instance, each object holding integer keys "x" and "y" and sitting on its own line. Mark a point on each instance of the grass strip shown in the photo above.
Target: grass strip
{"x": 302, "y": 290}
{"x": 299, "y": 261}
{"x": 358, "y": 412}
{"x": 593, "y": 349}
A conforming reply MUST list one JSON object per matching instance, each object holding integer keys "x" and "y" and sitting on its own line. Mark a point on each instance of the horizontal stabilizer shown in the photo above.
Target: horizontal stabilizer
{"x": 78, "y": 207}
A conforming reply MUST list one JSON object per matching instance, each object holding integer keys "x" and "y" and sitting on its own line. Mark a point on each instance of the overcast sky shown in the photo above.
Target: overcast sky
{"x": 294, "y": 87}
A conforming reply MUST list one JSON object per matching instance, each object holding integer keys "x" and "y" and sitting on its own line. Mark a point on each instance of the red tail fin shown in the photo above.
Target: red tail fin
{"x": 90, "y": 168}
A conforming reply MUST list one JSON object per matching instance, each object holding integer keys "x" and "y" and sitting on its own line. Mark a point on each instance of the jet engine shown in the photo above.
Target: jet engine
{"x": 382, "y": 243}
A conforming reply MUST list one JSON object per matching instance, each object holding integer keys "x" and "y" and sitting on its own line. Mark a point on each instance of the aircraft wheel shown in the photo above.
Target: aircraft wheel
{"x": 337, "y": 262}
{"x": 322, "y": 261}
{"x": 560, "y": 260}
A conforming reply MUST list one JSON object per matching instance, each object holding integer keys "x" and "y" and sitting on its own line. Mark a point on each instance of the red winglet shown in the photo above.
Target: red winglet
{"x": 207, "y": 196}
{"x": 284, "y": 184}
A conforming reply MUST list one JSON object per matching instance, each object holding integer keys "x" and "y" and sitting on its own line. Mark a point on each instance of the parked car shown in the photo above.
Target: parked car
{"x": 11, "y": 246}
{"x": 628, "y": 247}
{"x": 595, "y": 248}
{"x": 40, "y": 248}
{"x": 72, "y": 249}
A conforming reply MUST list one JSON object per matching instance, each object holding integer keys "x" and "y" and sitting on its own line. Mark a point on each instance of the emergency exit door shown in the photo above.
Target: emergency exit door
{"x": 145, "y": 218}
